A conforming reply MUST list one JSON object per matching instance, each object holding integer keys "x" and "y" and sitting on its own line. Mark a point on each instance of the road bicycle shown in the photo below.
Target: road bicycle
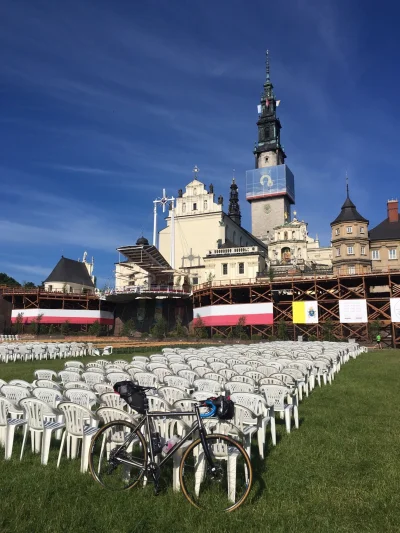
{"x": 214, "y": 473}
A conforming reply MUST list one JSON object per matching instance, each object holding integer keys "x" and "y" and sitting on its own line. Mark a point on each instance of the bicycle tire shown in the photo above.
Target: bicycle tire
{"x": 96, "y": 442}
{"x": 228, "y": 442}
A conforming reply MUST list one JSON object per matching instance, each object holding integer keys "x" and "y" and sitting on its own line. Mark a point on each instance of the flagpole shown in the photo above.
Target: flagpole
{"x": 155, "y": 224}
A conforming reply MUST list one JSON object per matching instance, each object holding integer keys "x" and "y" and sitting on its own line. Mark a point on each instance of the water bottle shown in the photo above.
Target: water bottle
{"x": 170, "y": 444}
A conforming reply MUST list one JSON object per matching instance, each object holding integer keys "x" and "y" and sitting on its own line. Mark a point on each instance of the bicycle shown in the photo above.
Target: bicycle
{"x": 214, "y": 472}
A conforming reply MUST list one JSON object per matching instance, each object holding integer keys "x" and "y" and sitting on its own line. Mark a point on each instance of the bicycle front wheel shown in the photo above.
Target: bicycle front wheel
{"x": 222, "y": 486}
{"x": 118, "y": 456}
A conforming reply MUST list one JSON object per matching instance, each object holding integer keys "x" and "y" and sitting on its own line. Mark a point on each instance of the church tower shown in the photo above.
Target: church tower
{"x": 234, "y": 208}
{"x": 270, "y": 187}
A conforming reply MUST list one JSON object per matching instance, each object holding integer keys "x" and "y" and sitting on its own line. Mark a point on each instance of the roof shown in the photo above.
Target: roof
{"x": 385, "y": 231}
{"x": 70, "y": 271}
{"x": 349, "y": 213}
{"x": 258, "y": 241}
{"x": 146, "y": 256}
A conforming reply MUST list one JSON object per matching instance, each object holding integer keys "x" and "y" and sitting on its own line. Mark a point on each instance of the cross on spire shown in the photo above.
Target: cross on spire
{"x": 195, "y": 171}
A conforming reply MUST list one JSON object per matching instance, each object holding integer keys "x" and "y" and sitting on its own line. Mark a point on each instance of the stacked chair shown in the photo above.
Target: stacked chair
{"x": 10, "y": 352}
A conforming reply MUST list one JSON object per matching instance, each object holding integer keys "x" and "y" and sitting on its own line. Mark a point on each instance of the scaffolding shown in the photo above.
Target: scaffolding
{"x": 375, "y": 288}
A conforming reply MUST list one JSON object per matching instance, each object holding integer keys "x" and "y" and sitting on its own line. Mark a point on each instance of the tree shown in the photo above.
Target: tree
{"x": 28, "y": 285}
{"x": 128, "y": 328}
{"x": 180, "y": 331}
{"x": 9, "y": 281}
{"x": 200, "y": 329}
{"x": 33, "y": 327}
{"x": 95, "y": 329}
{"x": 160, "y": 328}
{"x": 374, "y": 329}
{"x": 64, "y": 328}
{"x": 282, "y": 330}
{"x": 38, "y": 323}
{"x": 327, "y": 330}
{"x": 239, "y": 331}
{"x": 19, "y": 323}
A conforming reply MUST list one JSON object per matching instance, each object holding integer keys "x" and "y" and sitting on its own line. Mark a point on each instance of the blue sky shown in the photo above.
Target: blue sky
{"x": 105, "y": 103}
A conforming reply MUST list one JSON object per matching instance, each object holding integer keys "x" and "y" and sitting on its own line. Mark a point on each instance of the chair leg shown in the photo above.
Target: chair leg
{"x": 85, "y": 453}
{"x": 23, "y": 441}
{"x": 260, "y": 439}
{"x": 273, "y": 430}
{"x": 9, "y": 442}
{"x": 287, "y": 419}
{"x": 45, "y": 446}
{"x": 61, "y": 448}
{"x": 296, "y": 416}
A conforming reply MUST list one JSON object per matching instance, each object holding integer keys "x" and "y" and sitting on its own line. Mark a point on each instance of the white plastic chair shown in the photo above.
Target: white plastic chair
{"x": 212, "y": 387}
{"x": 145, "y": 379}
{"x": 74, "y": 364}
{"x": 69, "y": 375}
{"x": 80, "y": 425}
{"x": 237, "y": 386}
{"x": 92, "y": 378}
{"x": 172, "y": 394}
{"x": 114, "y": 377}
{"x": 7, "y": 426}
{"x": 21, "y": 383}
{"x": 45, "y": 374}
{"x": 48, "y": 384}
{"x": 108, "y": 350}
{"x": 277, "y": 396}
{"x": 77, "y": 385}
{"x": 177, "y": 381}
{"x": 110, "y": 399}
{"x": 190, "y": 375}
{"x": 83, "y": 397}
{"x": 102, "y": 388}
{"x": 161, "y": 373}
{"x": 36, "y": 412}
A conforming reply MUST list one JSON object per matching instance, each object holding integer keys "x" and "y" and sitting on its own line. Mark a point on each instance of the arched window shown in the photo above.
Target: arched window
{"x": 293, "y": 235}
{"x": 183, "y": 207}
{"x": 205, "y": 204}
{"x": 285, "y": 236}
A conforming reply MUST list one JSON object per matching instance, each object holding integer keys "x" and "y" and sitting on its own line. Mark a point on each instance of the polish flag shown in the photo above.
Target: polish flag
{"x": 228, "y": 315}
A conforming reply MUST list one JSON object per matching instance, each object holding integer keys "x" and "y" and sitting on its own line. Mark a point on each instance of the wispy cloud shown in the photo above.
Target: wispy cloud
{"x": 28, "y": 269}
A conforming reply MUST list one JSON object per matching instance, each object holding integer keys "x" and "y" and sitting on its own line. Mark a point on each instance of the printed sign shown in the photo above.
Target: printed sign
{"x": 353, "y": 311}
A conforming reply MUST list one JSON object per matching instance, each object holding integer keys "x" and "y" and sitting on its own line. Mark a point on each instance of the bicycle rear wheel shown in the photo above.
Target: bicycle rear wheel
{"x": 116, "y": 461}
{"x": 223, "y": 488}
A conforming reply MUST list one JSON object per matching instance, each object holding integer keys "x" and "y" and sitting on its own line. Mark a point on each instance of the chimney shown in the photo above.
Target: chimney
{"x": 393, "y": 210}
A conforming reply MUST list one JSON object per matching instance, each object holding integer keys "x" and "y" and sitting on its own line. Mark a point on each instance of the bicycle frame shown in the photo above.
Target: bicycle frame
{"x": 146, "y": 421}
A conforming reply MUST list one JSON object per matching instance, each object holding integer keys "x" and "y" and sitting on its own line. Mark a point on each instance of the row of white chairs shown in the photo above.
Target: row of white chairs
{"x": 37, "y": 351}
{"x": 5, "y": 338}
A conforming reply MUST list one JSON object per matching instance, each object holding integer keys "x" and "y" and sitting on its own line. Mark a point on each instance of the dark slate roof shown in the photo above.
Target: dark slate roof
{"x": 385, "y": 231}
{"x": 142, "y": 241}
{"x": 70, "y": 271}
{"x": 349, "y": 213}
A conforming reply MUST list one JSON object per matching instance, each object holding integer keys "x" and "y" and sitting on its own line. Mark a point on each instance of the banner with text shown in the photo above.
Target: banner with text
{"x": 395, "y": 309}
{"x": 353, "y": 311}
{"x": 305, "y": 312}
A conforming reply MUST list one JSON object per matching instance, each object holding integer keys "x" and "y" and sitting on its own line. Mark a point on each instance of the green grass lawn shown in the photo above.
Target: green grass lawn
{"x": 340, "y": 472}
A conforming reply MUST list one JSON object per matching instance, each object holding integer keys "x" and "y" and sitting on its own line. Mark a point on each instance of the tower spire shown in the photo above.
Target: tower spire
{"x": 267, "y": 66}
{"x": 347, "y": 185}
{"x": 234, "y": 208}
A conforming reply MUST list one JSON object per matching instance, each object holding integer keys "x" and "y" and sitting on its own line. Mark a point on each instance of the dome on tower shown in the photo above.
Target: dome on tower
{"x": 349, "y": 213}
{"x": 142, "y": 241}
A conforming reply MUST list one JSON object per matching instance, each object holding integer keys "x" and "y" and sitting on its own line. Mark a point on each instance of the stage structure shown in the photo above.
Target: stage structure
{"x": 163, "y": 201}
{"x": 347, "y": 307}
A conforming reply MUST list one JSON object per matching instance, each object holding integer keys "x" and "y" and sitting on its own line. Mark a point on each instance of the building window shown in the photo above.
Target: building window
{"x": 183, "y": 208}
{"x": 266, "y": 158}
{"x": 375, "y": 255}
{"x": 337, "y": 231}
{"x": 352, "y": 270}
{"x": 195, "y": 281}
{"x": 241, "y": 268}
{"x": 392, "y": 253}
{"x": 285, "y": 236}
{"x": 350, "y": 250}
{"x": 293, "y": 235}
{"x": 362, "y": 229}
{"x": 225, "y": 269}
{"x": 50, "y": 288}
{"x": 205, "y": 204}
{"x": 363, "y": 250}
{"x": 194, "y": 207}
{"x": 337, "y": 252}
{"x": 349, "y": 229}
{"x": 279, "y": 236}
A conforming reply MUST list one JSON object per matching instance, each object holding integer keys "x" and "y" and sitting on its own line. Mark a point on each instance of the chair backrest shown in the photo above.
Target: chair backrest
{"x": 76, "y": 417}
{"x": 254, "y": 402}
{"x": 171, "y": 394}
{"x": 112, "y": 414}
{"x": 242, "y": 368}
{"x": 2, "y": 382}
{"x": 177, "y": 381}
{"x": 216, "y": 366}
{"x": 202, "y": 370}
{"x": 95, "y": 364}
{"x": 177, "y": 367}
{"x": 5, "y": 406}
{"x": 228, "y": 373}
{"x": 121, "y": 363}
{"x": 51, "y": 397}
{"x": 270, "y": 381}
{"x": 83, "y": 397}
{"x": 15, "y": 393}
{"x": 67, "y": 375}
{"x": 95, "y": 369}
{"x": 215, "y": 377}
{"x": 21, "y": 383}
{"x": 208, "y": 385}
{"x": 114, "y": 377}
{"x": 161, "y": 372}
{"x": 140, "y": 358}
{"x": 102, "y": 388}
{"x": 190, "y": 375}
{"x": 74, "y": 364}
{"x": 102, "y": 362}
{"x": 107, "y": 350}
{"x": 35, "y": 412}
{"x": 287, "y": 379}
{"x": 91, "y": 378}
{"x": 45, "y": 374}
{"x": 77, "y": 385}
{"x": 237, "y": 386}
{"x": 110, "y": 399}
{"x": 254, "y": 374}
{"x": 155, "y": 364}
{"x": 158, "y": 404}
{"x": 275, "y": 395}
{"x": 145, "y": 379}
{"x": 295, "y": 373}
{"x": 48, "y": 384}
{"x": 243, "y": 379}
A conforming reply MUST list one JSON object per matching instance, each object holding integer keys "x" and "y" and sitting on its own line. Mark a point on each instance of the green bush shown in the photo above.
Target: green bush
{"x": 257, "y": 337}
{"x": 95, "y": 329}
{"x": 65, "y": 328}
{"x": 128, "y": 328}
{"x": 160, "y": 328}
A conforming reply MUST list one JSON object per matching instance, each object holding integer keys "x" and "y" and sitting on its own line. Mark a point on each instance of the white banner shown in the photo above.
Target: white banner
{"x": 395, "y": 309}
{"x": 353, "y": 311}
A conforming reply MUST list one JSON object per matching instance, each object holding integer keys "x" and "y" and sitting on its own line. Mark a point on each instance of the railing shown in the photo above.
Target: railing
{"x": 9, "y": 291}
{"x": 147, "y": 289}
{"x": 235, "y": 251}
